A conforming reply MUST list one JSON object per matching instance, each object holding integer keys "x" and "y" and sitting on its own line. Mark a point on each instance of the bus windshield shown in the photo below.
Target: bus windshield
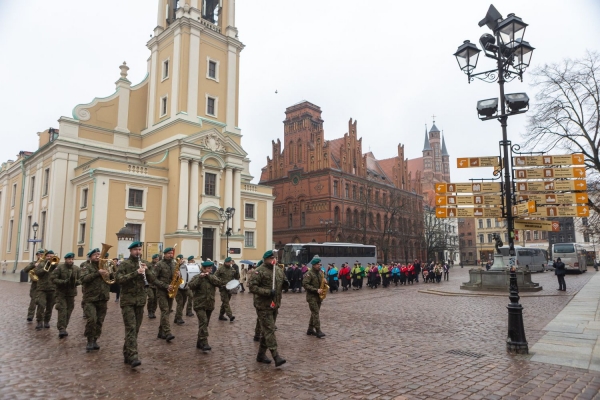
{"x": 564, "y": 248}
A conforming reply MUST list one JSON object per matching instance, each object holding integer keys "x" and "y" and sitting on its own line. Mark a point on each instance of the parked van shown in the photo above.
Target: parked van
{"x": 527, "y": 257}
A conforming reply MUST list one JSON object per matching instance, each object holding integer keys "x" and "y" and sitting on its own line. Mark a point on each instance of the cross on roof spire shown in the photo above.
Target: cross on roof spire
{"x": 433, "y": 117}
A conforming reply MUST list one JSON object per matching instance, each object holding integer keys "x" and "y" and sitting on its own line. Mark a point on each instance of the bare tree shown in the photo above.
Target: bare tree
{"x": 438, "y": 237}
{"x": 566, "y": 115}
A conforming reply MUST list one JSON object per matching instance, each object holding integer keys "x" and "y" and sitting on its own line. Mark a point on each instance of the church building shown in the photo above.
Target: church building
{"x": 162, "y": 157}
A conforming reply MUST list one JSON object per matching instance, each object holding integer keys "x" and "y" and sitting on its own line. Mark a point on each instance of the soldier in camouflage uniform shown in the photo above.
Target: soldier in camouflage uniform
{"x": 132, "y": 276}
{"x": 267, "y": 301}
{"x": 45, "y": 297}
{"x": 312, "y": 284}
{"x": 95, "y": 296}
{"x": 203, "y": 288}
{"x": 190, "y": 301}
{"x": 181, "y": 298}
{"x": 164, "y": 275}
{"x": 33, "y": 289}
{"x": 66, "y": 278}
{"x": 82, "y": 268}
{"x": 257, "y": 332}
{"x": 151, "y": 290}
{"x": 226, "y": 273}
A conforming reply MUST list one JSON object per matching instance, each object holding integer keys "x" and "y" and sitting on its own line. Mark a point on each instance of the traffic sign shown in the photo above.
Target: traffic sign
{"x": 477, "y": 212}
{"x": 525, "y": 208}
{"x": 478, "y": 187}
{"x": 561, "y": 211}
{"x": 539, "y": 161}
{"x": 475, "y": 162}
{"x": 453, "y": 200}
{"x": 35, "y": 240}
{"x": 548, "y": 173}
{"x": 536, "y": 225}
{"x": 549, "y": 186}
{"x": 555, "y": 198}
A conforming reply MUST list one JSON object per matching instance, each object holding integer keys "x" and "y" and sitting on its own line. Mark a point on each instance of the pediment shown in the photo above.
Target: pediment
{"x": 214, "y": 141}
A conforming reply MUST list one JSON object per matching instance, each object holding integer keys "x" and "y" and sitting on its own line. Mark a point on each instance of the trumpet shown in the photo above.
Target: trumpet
{"x": 51, "y": 263}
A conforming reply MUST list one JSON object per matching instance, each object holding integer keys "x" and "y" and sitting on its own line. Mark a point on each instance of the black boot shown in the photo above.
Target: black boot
{"x": 95, "y": 345}
{"x": 89, "y": 346}
{"x": 222, "y": 318}
{"x": 135, "y": 363}
{"x": 320, "y": 334}
{"x": 279, "y": 361}
{"x": 169, "y": 337}
{"x": 310, "y": 332}
{"x": 47, "y": 325}
{"x": 62, "y": 333}
{"x": 262, "y": 358}
{"x": 199, "y": 345}
{"x": 190, "y": 314}
{"x": 39, "y": 326}
{"x": 206, "y": 347}
{"x": 256, "y": 338}
{"x": 160, "y": 336}
{"x": 231, "y": 318}
{"x": 29, "y": 319}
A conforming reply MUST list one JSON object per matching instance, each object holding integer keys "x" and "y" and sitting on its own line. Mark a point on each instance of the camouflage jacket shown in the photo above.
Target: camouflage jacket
{"x": 311, "y": 283}
{"x": 28, "y": 268}
{"x": 66, "y": 279}
{"x": 164, "y": 274}
{"x": 133, "y": 287}
{"x": 92, "y": 285}
{"x": 203, "y": 289}
{"x": 152, "y": 267}
{"x": 44, "y": 283}
{"x": 260, "y": 284}
{"x": 226, "y": 274}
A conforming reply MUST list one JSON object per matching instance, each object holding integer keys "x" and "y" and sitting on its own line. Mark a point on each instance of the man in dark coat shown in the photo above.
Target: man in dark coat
{"x": 560, "y": 271}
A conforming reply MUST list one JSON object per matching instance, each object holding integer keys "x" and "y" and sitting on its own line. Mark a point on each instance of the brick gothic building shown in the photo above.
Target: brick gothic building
{"x": 328, "y": 190}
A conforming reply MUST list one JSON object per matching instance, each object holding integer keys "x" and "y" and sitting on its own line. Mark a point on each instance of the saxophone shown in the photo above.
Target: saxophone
{"x": 324, "y": 287}
{"x": 176, "y": 280}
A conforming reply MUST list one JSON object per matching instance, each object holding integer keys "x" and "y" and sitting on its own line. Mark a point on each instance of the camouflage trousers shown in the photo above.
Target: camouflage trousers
{"x": 182, "y": 299}
{"x": 132, "y": 318}
{"x": 94, "y": 311}
{"x": 45, "y": 302}
{"x": 64, "y": 306}
{"x": 203, "y": 321}
{"x": 266, "y": 320}
{"x": 152, "y": 303}
{"x": 314, "y": 307}
{"x": 165, "y": 304}
{"x": 190, "y": 302}
{"x": 32, "y": 301}
{"x": 225, "y": 307}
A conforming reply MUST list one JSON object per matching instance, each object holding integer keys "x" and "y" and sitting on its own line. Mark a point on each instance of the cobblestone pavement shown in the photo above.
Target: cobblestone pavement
{"x": 384, "y": 343}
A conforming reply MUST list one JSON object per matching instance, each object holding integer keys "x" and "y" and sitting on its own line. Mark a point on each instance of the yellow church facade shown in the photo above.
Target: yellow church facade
{"x": 162, "y": 157}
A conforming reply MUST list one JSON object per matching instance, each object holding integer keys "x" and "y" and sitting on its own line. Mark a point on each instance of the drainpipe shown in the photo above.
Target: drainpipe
{"x": 20, "y": 215}
{"x": 93, "y": 208}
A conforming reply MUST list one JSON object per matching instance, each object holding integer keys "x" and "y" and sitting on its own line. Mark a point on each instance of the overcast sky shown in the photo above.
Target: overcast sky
{"x": 387, "y": 64}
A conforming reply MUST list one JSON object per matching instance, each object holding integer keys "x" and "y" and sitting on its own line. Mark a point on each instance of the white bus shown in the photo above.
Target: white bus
{"x": 527, "y": 257}
{"x": 573, "y": 255}
{"x": 328, "y": 252}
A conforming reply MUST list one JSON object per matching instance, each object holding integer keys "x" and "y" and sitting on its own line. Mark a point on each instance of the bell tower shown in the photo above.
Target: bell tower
{"x": 194, "y": 64}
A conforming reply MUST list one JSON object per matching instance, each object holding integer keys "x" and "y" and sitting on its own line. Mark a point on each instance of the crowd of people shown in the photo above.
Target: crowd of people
{"x": 374, "y": 274}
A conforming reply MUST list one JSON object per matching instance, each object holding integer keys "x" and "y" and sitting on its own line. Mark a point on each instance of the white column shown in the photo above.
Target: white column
{"x": 152, "y": 87}
{"x": 193, "y": 210}
{"x": 175, "y": 68}
{"x": 231, "y": 89}
{"x": 237, "y": 200}
{"x": 193, "y": 75}
{"x": 194, "y": 3}
{"x": 162, "y": 16}
{"x": 231, "y": 13}
{"x": 182, "y": 217}
{"x": 228, "y": 188}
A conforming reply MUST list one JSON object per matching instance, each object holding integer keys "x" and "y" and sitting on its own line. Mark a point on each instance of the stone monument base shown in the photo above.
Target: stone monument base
{"x": 480, "y": 279}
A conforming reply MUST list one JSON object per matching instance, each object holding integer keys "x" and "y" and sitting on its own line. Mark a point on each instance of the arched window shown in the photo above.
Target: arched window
{"x": 348, "y": 217}
{"x": 379, "y": 221}
{"x": 356, "y": 218}
{"x": 299, "y": 151}
{"x": 291, "y": 152}
{"x": 371, "y": 221}
{"x": 336, "y": 215}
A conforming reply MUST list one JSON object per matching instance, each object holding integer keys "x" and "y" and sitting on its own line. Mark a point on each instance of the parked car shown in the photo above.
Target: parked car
{"x": 550, "y": 266}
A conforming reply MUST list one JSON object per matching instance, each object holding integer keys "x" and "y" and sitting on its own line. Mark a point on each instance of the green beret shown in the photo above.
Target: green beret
{"x": 135, "y": 244}
{"x": 70, "y": 255}
{"x": 208, "y": 264}
{"x": 315, "y": 261}
{"x": 96, "y": 250}
{"x": 155, "y": 256}
{"x": 228, "y": 259}
{"x": 268, "y": 254}
{"x": 40, "y": 251}
{"x": 179, "y": 255}
{"x": 49, "y": 252}
{"x": 168, "y": 249}
{"x": 259, "y": 263}
{"x": 190, "y": 258}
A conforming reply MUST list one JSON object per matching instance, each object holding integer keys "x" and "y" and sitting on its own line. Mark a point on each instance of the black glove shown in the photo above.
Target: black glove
{"x": 273, "y": 293}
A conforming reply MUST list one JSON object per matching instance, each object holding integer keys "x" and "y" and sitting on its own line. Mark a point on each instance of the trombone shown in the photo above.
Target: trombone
{"x": 51, "y": 263}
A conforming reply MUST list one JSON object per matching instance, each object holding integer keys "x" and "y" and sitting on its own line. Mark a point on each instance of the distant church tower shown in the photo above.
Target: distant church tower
{"x": 436, "y": 160}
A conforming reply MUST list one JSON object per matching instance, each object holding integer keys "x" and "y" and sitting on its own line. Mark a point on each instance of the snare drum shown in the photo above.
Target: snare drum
{"x": 233, "y": 286}
{"x": 188, "y": 271}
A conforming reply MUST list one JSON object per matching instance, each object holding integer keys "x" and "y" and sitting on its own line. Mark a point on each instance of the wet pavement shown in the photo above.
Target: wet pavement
{"x": 399, "y": 342}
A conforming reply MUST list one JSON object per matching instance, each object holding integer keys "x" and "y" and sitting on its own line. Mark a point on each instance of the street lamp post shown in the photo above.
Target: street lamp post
{"x": 35, "y": 228}
{"x": 227, "y": 214}
{"x": 326, "y": 223}
{"x": 512, "y": 55}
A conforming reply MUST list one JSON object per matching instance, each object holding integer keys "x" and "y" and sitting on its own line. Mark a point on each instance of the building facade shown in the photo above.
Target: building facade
{"x": 162, "y": 157}
{"x": 329, "y": 190}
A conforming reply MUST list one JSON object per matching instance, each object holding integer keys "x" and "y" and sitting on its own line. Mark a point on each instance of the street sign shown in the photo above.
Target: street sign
{"x": 35, "y": 240}
{"x": 525, "y": 208}
{"x": 535, "y": 225}
{"x": 555, "y": 198}
{"x": 477, "y": 212}
{"x": 548, "y": 173}
{"x": 549, "y": 186}
{"x": 478, "y": 187}
{"x": 540, "y": 161}
{"x": 453, "y": 200}
{"x": 475, "y": 162}
{"x": 561, "y": 211}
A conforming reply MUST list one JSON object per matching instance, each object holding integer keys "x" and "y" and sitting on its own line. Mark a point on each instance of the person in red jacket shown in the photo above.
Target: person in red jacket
{"x": 344, "y": 276}
{"x": 410, "y": 272}
{"x": 403, "y": 274}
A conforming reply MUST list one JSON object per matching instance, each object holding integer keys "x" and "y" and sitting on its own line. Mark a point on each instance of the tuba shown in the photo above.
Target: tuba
{"x": 51, "y": 263}
{"x": 176, "y": 280}
{"x": 324, "y": 288}
{"x": 107, "y": 265}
